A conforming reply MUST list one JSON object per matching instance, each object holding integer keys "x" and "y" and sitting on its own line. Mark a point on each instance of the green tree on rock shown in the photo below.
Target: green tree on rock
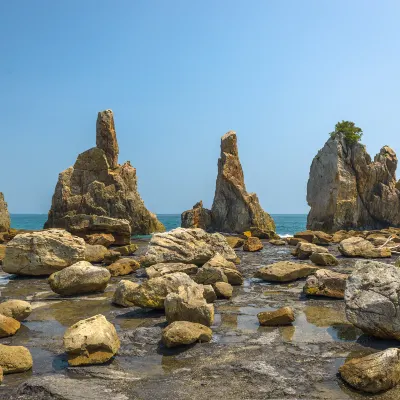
{"x": 352, "y": 133}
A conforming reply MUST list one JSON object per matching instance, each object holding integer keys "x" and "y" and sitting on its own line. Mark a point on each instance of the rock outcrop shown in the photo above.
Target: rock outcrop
{"x": 4, "y": 215}
{"x": 233, "y": 210}
{"x": 347, "y": 190}
{"x": 98, "y": 186}
{"x": 183, "y": 333}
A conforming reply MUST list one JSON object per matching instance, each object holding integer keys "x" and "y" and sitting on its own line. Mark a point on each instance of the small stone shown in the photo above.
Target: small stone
{"x": 293, "y": 241}
{"x": 17, "y": 309}
{"x": 184, "y": 333}
{"x": 263, "y": 234}
{"x": 111, "y": 256}
{"x": 209, "y": 293}
{"x": 210, "y": 275}
{"x": 373, "y": 373}
{"x": 123, "y": 292}
{"x": 123, "y": 266}
{"x": 8, "y": 326}
{"x": 282, "y": 316}
{"x": 223, "y": 290}
{"x": 91, "y": 341}
{"x": 15, "y": 359}
{"x": 95, "y": 253}
{"x": 326, "y": 283}
{"x": 253, "y": 244}
{"x": 103, "y": 239}
{"x": 277, "y": 242}
{"x": 285, "y": 271}
{"x": 234, "y": 241}
{"x": 304, "y": 250}
{"x": 324, "y": 259}
{"x": 127, "y": 250}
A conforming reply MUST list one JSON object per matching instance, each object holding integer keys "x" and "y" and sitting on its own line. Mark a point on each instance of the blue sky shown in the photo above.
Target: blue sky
{"x": 178, "y": 75}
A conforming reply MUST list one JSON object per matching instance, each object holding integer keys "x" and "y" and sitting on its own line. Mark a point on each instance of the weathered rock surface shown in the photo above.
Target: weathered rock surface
{"x": 209, "y": 293}
{"x": 326, "y": 283}
{"x": 316, "y": 237}
{"x": 223, "y": 290}
{"x": 95, "y": 253}
{"x": 104, "y": 239}
{"x": 282, "y": 316}
{"x": 8, "y": 326}
{"x": 373, "y": 373}
{"x": 4, "y": 215}
{"x": 79, "y": 278}
{"x": 162, "y": 269}
{"x": 184, "y": 333}
{"x": 324, "y": 259}
{"x": 17, "y": 309}
{"x": 190, "y": 246}
{"x": 126, "y": 250}
{"x": 111, "y": 257}
{"x": 277, "y": 242}
{"x": 123, "y": 266}
{"x": 285, "y": 271}
{"x": 210, "y": 275}
{"x": 124, "y": 292}
{"x": 347, "y": 190}
{"x": 91, "y": 341}
{"x": 304, "y": 250}
{"x": 263, "y": 234}
{"x": 153, "y": 292}
{"x": 234, "y": 241}
{"x": 197, "y": 217}
{"x": 190, "y": 305}
{"x": 97, "y": 185}
{"x": 253, "y": 244}
{"x": 359, "y": 247}
{"x": 43, "y": 252}
{"x": 15, "y": 359}
{"x": 372, "y": 299}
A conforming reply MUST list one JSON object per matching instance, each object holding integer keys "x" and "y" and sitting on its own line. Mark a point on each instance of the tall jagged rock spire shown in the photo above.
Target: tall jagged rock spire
{"x": 4, "y": 215}
{"x": 106, "y": 137}
{"x": 347, "y": 190}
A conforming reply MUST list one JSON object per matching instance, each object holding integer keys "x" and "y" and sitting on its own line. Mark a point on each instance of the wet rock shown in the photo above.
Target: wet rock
{"x": 17, "y": 309}
{"x": 97, "y": 186}
{"x": 234, "y": 241}
{"x": 233, "y": 209}
{"x": 223, "y": 290}
{"x": 184, "y": 333}
{"x": 228, "y": 267}
{"x": 277, "y": 242}
{"x": 253, "y": 244}
{"x": 295, "y": 241}
{"x": 15, "y": 359}
{"x": 234, "y": 276}
{"x": 282, "y": 316}
{"x": 43, "y": 252}
{"x": 123, "y": 266}
{"x": 4, "y": 215}
{"x": 91, "y": 341}
{"x": 127, "y": 250}
{"x": 124, "y": 292}
{"x": 189, "y": 304}
{"x": 111, "y": 257}
{"x": 79, "y": 278}
{"x": 324, "y": 259}
{"x": 209, "y": 293}
{"x": 8, "y": 326}
{"x": 315, "y": 237}
{"x": 153, "y": 292}
{"x": 169, "y": 268}
{"x": 285, "y": 271}
{"x": 103, "y": 239}
{"x": 304, "y": 250}
{"x": 373, "y": 373}
{"x": 210, "y": 275}
{"x": 190, "y": 246}
{"x": 95, "y": 253}
{"x": 197, "y": 217}
{"x": 263, "y": 234}
{"x": 359, "y": 247}
{"x": 326, "y": 283}
{"x": 372, "y": 299}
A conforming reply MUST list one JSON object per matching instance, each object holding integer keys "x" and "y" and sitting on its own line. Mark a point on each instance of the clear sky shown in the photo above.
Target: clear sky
{"x": 178, "y": 75}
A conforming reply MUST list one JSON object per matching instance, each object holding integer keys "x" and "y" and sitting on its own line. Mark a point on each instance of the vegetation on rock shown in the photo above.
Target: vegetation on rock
{"x": 352, "y": 133}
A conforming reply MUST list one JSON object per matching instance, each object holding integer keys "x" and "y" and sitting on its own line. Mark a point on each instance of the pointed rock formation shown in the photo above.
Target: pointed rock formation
{"x": 233, "y": 210}
{"x": 347, "y": 190}
{"x": 4, "y": 215}
{"x": 97, "y": 186}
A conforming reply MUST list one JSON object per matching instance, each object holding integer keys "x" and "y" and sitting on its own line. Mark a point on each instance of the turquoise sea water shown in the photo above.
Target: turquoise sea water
{"x": 286, "y": 224}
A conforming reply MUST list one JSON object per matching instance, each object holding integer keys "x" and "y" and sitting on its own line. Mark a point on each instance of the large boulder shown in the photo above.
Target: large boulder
{"x": 104, "y": 239}
{"x": 253, "y": 244}
{"x": 223, "y": 290}
{"x": 285, "y": 271}
{"x": 197, "y": 217}
{"x": 359, "y": 247}
{"x": 210, "y": 275}
{"x": 190, "y": 246}
{"x": 304, "y": 250}
{"x": 162, "y": 269}
{"x": 326, "y": 283}
{"x": 228, "y": 267}
{"x": 15, "y": 359}
{"x": 282, "y": 316}
{"x": 347, "y": 190}
{"x": 8, "y": 326}
{"x": 98, "y": 186}
{"x": 79, "y": 278}
{"x": 373, "y": 373}
{"x": 43, "y": 252}
{"x": 123, "y": 266}
{"x": 91, "y": 341}
{"x": 4, "y": 215}
{"x": 17, "y": 309}
{"x": 183, "y": 333}
{"x": 124, "y": 292}
{"x": 324, "y": 259}
{"x": 152, "y": 293}
{"x": 189, "y": 304}
{"x": 95, "y": 253}
{"x": 372, "y": 298}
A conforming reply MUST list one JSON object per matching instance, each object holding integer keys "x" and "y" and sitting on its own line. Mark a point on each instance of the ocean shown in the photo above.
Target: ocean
{"x": 286, "y": 224}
